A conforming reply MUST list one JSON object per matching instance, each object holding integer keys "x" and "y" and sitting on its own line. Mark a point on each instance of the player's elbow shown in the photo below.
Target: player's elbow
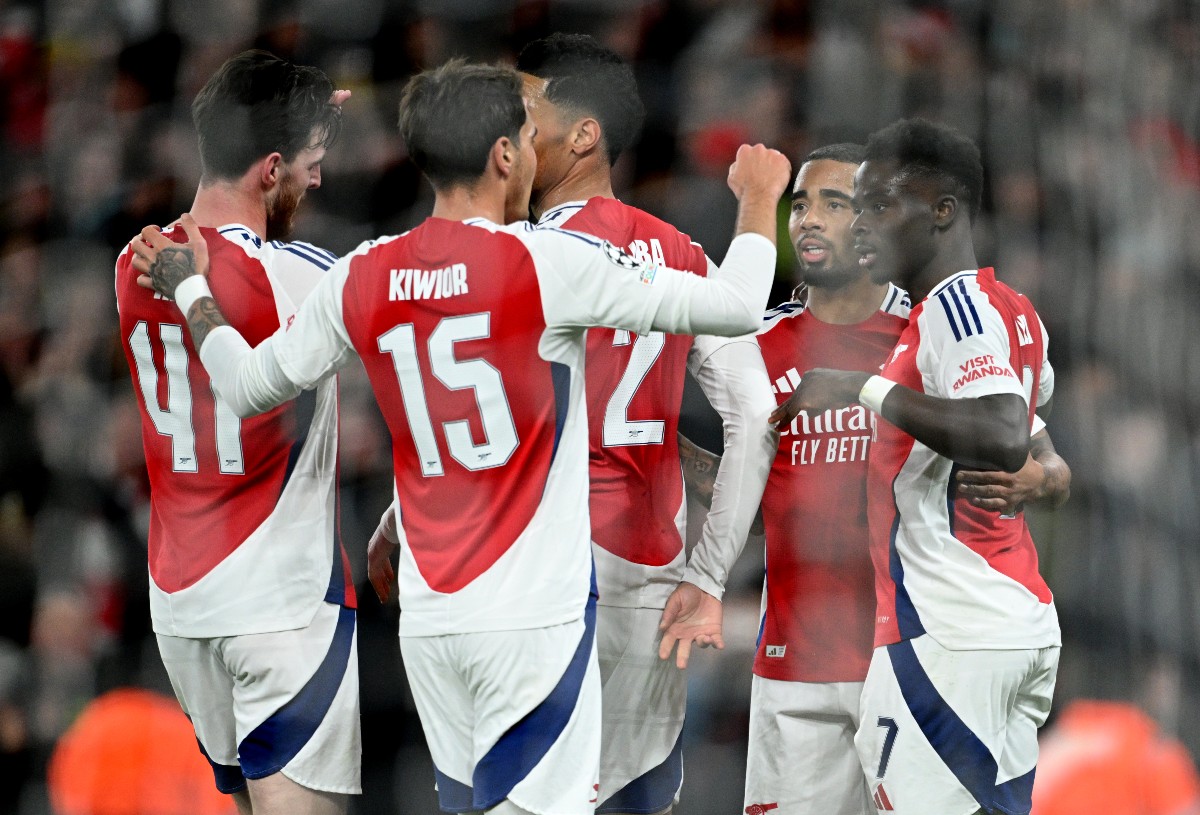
{"x": 747, "y": 319}
{"x": 1004, "y": 435}
{"x": 1009, "y": 447}
{"x": 244, "y": 410}
{"x": 1011, "y": 458}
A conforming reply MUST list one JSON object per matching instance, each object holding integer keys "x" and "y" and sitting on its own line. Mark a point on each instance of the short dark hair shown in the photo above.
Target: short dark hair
{"x": 257, "y": 104}
{"x": 451, "y": 116}
{"x": 583, "y": 76}
{"x": 846, "y": 152}
{"x": 935, "y": 151}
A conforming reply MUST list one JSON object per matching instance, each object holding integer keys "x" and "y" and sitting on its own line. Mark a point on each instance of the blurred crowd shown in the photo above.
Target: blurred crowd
{"x": 1089, "y": 122}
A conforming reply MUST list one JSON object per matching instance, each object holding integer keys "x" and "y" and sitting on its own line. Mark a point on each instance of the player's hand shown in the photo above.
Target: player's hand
{"x": 339, "y": 98}
{"x": 759, "y": 170}
{"x": 691, "y": 616}
{"x": 819, "y": 390}
{"x": 1003, "y": 492}
{"x": 165, "y": 264}
{"x": 379, "y": 565}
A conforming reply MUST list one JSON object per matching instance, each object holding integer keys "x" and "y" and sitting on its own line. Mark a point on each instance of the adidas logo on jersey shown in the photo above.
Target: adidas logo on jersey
{"x": 786, "y": 383}
{"x": 776, "y": 651}
{"x": 1023, "y": 335}
{"x": 428, "y": 284}
{"x": 881, "y": 800}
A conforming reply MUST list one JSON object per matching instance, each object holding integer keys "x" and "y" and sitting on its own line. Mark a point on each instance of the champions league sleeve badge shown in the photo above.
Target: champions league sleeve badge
{"x": 646, "y": 272}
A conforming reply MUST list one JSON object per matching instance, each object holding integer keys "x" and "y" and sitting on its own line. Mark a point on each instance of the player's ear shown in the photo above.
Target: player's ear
{"x": 271, "y": 170}
{"x": 945, "y": 211}
{"x": 503, "y": 155}
{"x": 585, "y": 135}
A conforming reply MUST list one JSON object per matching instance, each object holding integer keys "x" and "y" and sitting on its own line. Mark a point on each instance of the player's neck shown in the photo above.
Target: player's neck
{"x": 851, "y": 304}
{"x": 956, "y": 254}
{"x": 946, "y": 263}
{"x": 585, "y": 180}
{"x": 228, "y": 202}
{"x": 462, "y": 202}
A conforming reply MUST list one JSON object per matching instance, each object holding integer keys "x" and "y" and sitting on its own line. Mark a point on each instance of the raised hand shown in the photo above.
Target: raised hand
{"x": 759, "y": 169}
{"x": 691, "y": 616}
{"x": 165, "y": 264}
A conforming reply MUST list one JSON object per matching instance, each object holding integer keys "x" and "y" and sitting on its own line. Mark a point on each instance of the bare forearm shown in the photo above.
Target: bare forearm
{"x": 1056, "y": 479}
{"x": 758, "y": 212}
{"x": 203, "y": 316}
{"x": 988, "y": 433}
{"x": 699, "y": 469}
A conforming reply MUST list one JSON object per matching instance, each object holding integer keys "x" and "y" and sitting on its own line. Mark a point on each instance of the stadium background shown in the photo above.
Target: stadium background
{"x": 1088, "y": 117}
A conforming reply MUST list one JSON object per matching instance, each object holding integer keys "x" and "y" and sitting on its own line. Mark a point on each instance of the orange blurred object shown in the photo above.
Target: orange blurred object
{"x": 1111, "y": 758}
{"x": 133, "y": 752}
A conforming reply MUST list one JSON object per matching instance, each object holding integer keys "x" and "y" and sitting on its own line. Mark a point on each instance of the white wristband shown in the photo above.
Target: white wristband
{"x": 872, "y": 393}
{"x": 190, "y": 290}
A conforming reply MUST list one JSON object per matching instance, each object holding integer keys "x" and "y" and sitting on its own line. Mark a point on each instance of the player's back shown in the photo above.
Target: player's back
{"x": 242, "y": 536}
{"x": 448, "y": 320}
{"x": 634, "y": 388}
{"x": 967, "y": 576}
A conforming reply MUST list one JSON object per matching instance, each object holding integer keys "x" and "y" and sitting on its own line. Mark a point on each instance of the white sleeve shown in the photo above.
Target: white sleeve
{"x": 969, "y": 349}
{"x": 706, "y": 345}
{"x": 295, "y": 357}
{"x": 735, "y": 381}
{"x": 587, "y": 283}
{"x": 1045, "y": 388}
{"x": 389, "y": 525}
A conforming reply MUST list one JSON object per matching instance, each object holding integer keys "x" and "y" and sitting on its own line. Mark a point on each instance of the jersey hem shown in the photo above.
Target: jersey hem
{"x": 420, "y": 628}
{"x": 301, "y": 619}
{"x": 1050, "y": 641}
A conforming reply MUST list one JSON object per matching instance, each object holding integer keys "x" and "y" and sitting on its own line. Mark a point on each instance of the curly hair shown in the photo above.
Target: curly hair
{"x": 935, "y": 151}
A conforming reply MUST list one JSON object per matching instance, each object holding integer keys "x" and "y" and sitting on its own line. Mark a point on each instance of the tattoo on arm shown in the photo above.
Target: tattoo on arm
{"x": 699, "y": 469}
{"x": 203, "y": 317}
{"x": 172, "y": 266}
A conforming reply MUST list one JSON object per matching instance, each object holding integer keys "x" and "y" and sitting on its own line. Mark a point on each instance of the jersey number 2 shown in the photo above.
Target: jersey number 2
{"x": 618, "y": 430}
{"x": 454, "y": 374}
{"x": 176, "y": 420}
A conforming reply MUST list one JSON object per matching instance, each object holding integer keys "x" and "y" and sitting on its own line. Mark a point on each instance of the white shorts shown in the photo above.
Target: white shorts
{"x": 951, "y": 732}
{"x": 285, "y": 702}
{"x": 801, "y": 759}
{"x": 511, "y": 715}
{"x": 645, "y": 698}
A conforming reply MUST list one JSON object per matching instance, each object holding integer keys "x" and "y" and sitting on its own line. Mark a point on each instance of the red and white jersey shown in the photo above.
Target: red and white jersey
{"x": 473, "y": 337}
{"x": 634, "y": 387}
{"x": 967, "y": 577}
{"x": 243, "y": 535}
{"x": 819, "y": 595}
